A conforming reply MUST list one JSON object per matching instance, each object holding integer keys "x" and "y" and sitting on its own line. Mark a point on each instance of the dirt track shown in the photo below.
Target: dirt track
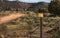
{"x": 10, "y": 17}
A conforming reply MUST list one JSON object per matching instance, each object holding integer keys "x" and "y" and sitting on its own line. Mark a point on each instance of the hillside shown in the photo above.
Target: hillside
{"x": 23, "y": 26}
{"x": 13, "y": 5}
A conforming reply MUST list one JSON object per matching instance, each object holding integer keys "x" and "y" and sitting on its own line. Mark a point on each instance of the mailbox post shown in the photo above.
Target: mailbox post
{"x": 40, "y": 15}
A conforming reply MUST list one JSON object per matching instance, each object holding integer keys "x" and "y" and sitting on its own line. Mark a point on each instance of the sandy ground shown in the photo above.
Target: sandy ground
{"x": 10, "y": 17}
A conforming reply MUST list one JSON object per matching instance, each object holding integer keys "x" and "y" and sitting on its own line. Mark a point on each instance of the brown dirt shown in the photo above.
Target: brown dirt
{"x": 10, "y": 17}
{"x": 44, "y": 34}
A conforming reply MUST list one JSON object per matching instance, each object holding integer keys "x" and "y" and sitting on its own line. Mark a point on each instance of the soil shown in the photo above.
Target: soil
{"x": 10, "y": 17}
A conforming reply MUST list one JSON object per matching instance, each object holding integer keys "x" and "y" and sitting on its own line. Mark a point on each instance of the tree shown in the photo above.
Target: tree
{"x": 41, "y": 10}
{"x": 54, "y": 7}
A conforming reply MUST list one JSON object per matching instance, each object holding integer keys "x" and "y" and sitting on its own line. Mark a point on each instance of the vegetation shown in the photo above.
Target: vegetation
{"x": 28, "y": 22}
{"x": 41, "y": 10}
{"x": 54, "y": 7}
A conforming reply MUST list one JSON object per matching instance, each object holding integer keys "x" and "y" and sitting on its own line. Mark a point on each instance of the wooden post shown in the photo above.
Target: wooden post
{"x": 40, "y": 27}
{"x": 40, "y": 15}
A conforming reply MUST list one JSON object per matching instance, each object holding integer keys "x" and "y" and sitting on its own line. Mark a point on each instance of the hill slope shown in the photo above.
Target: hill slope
{"x": 13, "y": 5}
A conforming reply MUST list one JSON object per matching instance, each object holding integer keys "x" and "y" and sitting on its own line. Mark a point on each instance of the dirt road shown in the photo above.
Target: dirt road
{"x": 10, "y": 17}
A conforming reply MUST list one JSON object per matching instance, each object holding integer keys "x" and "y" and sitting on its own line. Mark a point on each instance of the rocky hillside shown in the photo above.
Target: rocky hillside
{"x": 13, "y": 5}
